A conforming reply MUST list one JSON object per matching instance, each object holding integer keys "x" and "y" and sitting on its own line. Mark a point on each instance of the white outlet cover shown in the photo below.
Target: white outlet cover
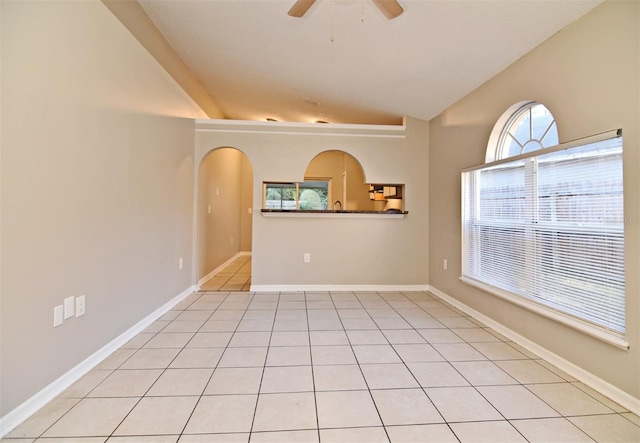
{"x": 81, "y": 305}
{"x": 69, "y": 307}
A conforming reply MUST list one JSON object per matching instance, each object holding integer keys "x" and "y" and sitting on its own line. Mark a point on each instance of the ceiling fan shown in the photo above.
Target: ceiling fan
{"x": 389, "y": 8}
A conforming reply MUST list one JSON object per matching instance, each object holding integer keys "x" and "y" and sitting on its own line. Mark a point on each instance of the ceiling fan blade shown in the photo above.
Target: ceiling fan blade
{"x": 390, "y": 8}
{"x": 300, "y": 8}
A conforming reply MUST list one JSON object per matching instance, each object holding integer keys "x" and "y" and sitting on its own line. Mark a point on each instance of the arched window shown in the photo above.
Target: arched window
{"x": 543, "y": 223}
{"x": 523, "y": 128}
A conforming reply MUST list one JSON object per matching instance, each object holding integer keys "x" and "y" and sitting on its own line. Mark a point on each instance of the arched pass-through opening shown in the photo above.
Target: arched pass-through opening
{"x": 346, "y": 178}
{"x": 224, "y": 211}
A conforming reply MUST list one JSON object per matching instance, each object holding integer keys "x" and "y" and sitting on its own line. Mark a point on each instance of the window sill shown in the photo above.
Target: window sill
{"x": 331, "y": 214}
{"x": 605, "y": 335}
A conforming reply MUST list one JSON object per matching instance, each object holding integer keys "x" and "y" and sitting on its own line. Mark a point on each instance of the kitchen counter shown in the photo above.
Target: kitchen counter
{"x": 332, "y": 213}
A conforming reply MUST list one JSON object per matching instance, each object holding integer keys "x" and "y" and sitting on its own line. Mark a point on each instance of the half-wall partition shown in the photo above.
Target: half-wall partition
{"x": 341, "y": 251}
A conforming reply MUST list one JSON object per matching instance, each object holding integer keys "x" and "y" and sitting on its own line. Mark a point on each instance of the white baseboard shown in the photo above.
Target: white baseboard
{"x": 605, "y": 388}
{"x": 33, "y": 404}
{"x": 212, "y": 274}
{"x": 337, "y": 288}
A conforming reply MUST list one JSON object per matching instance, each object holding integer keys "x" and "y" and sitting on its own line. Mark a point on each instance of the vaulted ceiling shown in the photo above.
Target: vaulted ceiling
{"x": 343, "y": 61}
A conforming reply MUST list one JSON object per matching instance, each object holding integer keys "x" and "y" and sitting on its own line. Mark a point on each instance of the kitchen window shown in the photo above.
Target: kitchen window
{"x": 309, "y": 195}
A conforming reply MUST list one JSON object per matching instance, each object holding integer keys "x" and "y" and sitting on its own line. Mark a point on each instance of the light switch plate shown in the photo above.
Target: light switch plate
{"x": 69, "y": 307}
{"x": 80, "y": 306}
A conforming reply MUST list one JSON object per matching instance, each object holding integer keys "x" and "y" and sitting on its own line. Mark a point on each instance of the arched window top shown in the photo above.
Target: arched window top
{"x": 524, "y": 127}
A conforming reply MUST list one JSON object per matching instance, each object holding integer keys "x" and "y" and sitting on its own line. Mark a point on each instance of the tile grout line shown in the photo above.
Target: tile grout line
{"x": 313, "y": 372}
{"x": 360, "y": 367}
{"x": 409, "y": 369}
{"x": 264, "y": 366}
{"x": 185, "y": 347}
{"x": 214, "y": 369}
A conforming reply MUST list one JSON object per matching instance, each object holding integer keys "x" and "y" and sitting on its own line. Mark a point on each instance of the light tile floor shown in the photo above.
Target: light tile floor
{"x": 325, "y": 367}
{"x": 236, "y": 276}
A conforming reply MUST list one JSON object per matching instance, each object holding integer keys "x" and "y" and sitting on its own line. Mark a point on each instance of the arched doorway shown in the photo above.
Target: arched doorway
{"x": 224, "y": 208}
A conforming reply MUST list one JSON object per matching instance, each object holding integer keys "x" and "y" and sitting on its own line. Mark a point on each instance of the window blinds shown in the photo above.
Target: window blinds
{"x": 549, "y": 226}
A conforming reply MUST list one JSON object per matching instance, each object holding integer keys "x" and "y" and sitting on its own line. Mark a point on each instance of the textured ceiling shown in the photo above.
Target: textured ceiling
{"x": 343, "y": 62}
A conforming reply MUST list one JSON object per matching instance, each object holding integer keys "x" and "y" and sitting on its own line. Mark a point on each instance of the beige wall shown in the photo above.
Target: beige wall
{"x": 97, "y": 187}
{"x": 246, "y": 205}
{"x": 224, "y": 185}
{"x": 344, "y": 251}
{"x": 588, "y": 76}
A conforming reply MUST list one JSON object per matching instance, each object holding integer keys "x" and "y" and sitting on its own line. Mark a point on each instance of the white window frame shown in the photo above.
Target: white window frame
{"x": 496, "y": 149}
{"x": 607, "y": 335}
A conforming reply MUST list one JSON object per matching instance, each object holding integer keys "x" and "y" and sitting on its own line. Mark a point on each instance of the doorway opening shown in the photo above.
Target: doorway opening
{"x": 225, "y": 211}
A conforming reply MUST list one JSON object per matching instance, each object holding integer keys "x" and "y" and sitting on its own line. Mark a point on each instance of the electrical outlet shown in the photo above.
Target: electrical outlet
{"x": 69, "y": 307}
{"x": 307, "y": 257}
{"x": 209, "y": 209}
{"x": 250, "y": 210}
{"x": 180, "y": 263}
{"x": 232, "y": 240}
{"x": 80, "y": 305}
{"x": 445, "y": 264}
{"x": 58, "y": 315}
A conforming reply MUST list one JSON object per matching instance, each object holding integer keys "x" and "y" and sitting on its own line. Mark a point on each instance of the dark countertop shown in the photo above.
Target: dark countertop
{"x": 329, "y": 211}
